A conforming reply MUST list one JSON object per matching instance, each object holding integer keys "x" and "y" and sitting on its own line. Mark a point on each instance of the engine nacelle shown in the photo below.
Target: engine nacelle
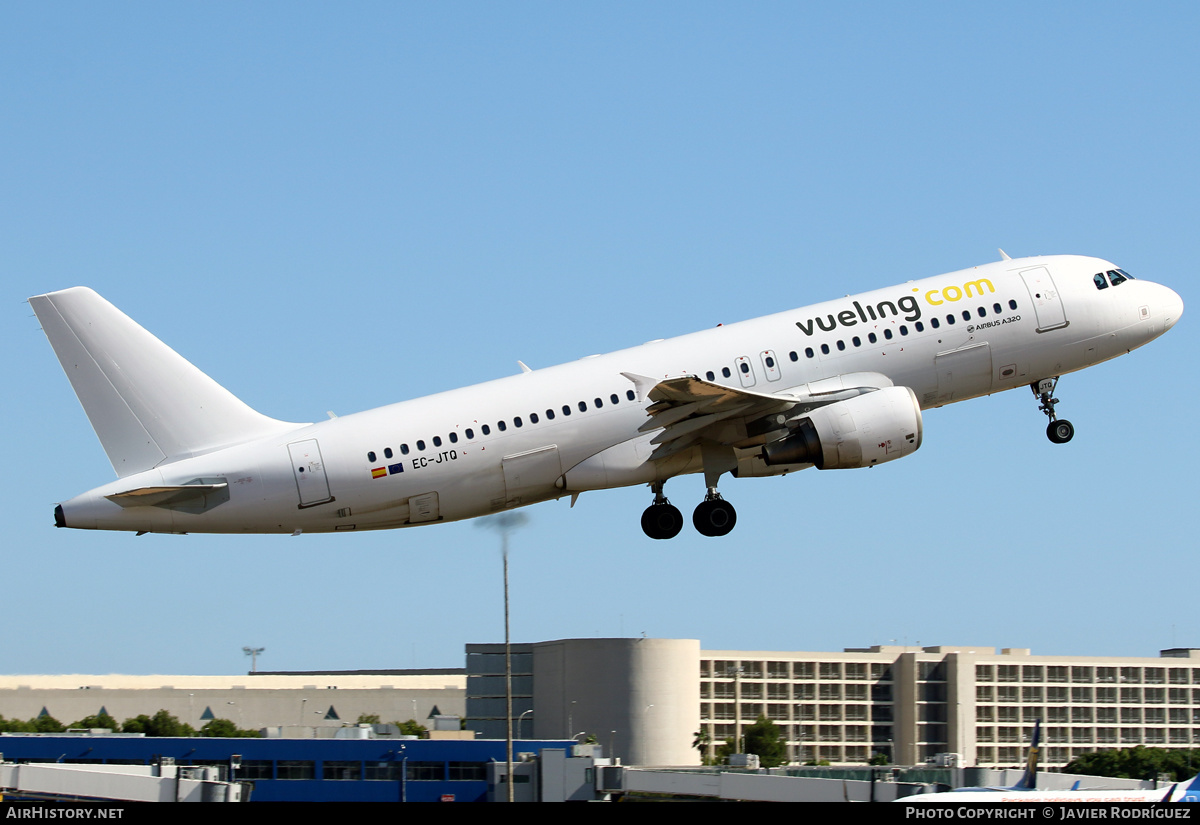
{"x": 858, "y": 432}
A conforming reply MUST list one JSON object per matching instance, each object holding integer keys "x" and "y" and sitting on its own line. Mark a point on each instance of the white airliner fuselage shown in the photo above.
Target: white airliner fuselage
{"x": 837, "y": 384}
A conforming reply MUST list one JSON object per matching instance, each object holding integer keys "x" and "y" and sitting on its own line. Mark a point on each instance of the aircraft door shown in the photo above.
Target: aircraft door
{"x": 1047, "y": 304}
{"x": 530, "y": 476}
{"x": 309, "y": 470}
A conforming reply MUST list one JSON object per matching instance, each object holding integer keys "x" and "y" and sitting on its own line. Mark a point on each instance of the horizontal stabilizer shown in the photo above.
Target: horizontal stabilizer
{"x": 147, "y": 404}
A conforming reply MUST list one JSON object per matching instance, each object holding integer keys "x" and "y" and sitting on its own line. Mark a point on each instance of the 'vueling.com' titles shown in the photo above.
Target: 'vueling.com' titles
{"x": 908, "y": 305}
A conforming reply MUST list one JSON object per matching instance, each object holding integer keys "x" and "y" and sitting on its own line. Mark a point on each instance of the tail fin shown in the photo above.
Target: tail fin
{"x": 147, "y": 404}
{"x": 1190, "y": 791}
{"x": 1028, "y": 781}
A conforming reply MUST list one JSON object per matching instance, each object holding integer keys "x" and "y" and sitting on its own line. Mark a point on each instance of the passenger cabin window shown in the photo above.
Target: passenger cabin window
{"x": 614, "y": 399}
{"x": 566, "y": 410}
{"x": 725, "y": 371}
{"x": 533, "y": 418}
{"x": 549, "y": 415}
{"x": 485, "y": 429}
{"x": 387, "y": 452}
{"x": 517, "y": 422}
{"x": 437, "y": 441}
{"x": 453, "y": 438}
{"x": 469, "y": 433}
{"x": 403, "y": 449}
{"x": 501, "y": 426}
{"x": 420, "y": 445}
{"x": 371, "y": 456}
{"x": 710, "y": 375}
{"x": 583, "y": 406}
{"x": 630, "y": 395}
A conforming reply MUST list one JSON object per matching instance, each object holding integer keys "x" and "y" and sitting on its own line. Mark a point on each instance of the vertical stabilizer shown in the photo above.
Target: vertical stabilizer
{"x": 147, "y": 404}
{"x": 1028, "y": 780}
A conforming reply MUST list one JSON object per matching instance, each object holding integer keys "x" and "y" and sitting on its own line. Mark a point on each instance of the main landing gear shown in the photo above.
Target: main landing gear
{"x": 1058, "y": 431}
{"x": 712, "y": 517}
{"x": 662, "y": 519}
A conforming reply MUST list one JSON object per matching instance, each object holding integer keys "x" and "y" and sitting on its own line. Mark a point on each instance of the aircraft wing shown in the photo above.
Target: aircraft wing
{"x": 689, "y": 409}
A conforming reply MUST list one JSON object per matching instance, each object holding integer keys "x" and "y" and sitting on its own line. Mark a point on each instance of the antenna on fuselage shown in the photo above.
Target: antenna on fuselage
{"x": 1004, "y": 255}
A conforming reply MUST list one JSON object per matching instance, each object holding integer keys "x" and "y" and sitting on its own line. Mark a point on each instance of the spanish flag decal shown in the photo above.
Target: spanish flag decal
{"x": 378, "y": 472}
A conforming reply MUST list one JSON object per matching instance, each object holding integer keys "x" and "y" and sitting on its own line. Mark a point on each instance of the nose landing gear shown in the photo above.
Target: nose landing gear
{"x": 1058, "y": 431}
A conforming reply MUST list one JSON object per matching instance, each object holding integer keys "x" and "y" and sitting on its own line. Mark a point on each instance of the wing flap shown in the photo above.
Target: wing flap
{"x": 689, "y": 410}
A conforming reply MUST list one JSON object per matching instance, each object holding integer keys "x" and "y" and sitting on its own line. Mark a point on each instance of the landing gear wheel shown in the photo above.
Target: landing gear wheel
{"x": 1060, "y": 431}
{"x": 662, "y": 521}
{"x": 714, "y": 517}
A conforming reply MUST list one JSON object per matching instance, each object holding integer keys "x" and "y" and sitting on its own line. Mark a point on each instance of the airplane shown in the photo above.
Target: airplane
{"x": 840, "y": 384}
{"x": 1188, "y": 791}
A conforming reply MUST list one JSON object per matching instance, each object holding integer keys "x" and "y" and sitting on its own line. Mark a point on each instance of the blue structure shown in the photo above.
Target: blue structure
{"x": 301, "y": 770}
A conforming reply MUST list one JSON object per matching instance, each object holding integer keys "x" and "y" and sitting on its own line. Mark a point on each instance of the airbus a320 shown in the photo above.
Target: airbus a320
{"x": 836, "y": 385}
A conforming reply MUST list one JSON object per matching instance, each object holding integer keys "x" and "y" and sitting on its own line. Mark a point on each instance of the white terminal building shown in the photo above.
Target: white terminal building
{"x": 644, "y": 700}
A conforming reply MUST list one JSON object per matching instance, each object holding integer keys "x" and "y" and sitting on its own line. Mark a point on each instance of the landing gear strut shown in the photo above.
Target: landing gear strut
{"x": 1060, "y": 432}
{"x": 661, "y": 520}
{"x": 714, "y": 516}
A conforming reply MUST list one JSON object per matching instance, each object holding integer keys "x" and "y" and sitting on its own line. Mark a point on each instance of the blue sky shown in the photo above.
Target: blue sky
{"x": 338, "y": 206}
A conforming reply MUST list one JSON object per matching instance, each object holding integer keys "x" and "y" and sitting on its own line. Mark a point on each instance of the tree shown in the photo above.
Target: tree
{"x": 226, "y": 729}
{"x": 15, "y": 726}
{"x": 160, "y": 724}
{"x": 723, "y": 752}
{"x": 411, "y": 728}
{"x": 368, "y": 719}
{"x": 99, "y": 720}
{"x": 1138, "y": 763}
{"x": 48, "y": 724}
{"x": 765, "y": 739}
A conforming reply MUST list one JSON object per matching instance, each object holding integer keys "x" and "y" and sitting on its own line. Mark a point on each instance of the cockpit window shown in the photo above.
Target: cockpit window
{"x": 1101, "y": 283}
{"x": 1116, "y": 277}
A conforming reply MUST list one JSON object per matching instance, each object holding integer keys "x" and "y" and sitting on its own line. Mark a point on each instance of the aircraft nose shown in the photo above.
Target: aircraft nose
{"x": 1172, "y": 308}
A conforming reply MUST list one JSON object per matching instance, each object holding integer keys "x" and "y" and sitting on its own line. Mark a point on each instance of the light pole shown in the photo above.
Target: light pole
{"x": 505, "y": 523}
{"x": 253, "y": 652}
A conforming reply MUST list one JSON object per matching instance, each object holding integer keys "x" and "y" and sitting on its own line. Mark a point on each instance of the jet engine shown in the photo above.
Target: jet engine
{"x": 858, "y": 432}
